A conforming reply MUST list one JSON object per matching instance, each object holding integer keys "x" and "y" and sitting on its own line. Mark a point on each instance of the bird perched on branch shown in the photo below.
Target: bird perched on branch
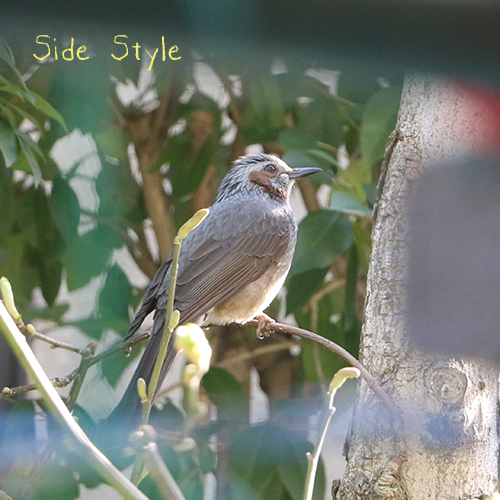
{"x": 232, "y": 265}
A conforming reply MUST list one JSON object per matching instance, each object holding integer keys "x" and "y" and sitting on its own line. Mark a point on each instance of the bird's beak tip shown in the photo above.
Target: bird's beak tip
{"x": 303, "y": 172}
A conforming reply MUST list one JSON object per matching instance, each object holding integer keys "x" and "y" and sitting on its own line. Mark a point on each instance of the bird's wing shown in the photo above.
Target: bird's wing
{"x": 150, "y": 297}
{"x": 219, "y": 269}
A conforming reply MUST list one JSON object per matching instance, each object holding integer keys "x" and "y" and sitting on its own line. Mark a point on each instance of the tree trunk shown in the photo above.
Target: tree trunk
{"x": 448, "y": 406}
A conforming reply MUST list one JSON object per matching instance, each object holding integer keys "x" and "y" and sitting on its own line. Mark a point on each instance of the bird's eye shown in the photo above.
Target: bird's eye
{"x": 270, "y": 168}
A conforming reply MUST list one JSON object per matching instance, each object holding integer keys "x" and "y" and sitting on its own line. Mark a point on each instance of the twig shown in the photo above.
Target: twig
{"x": 335, "y": 348}
{"x": 47, "y": 452}
{"x": 313, "y": 458}
{"x": 309, "y": 195}
{"x": 57, "y": 407}
{"x": 85, "y": 363}
{"x": 61, "y": 382}
{"x": 160, "y": 473}
{"x": 54, "y": 343}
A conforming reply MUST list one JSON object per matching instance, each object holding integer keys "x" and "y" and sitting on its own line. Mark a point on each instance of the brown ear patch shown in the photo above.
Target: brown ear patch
{"x": 260, "y": 178}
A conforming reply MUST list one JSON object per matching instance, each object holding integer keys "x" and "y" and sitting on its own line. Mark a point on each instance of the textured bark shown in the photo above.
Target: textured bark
{"x": 448, "y": 406}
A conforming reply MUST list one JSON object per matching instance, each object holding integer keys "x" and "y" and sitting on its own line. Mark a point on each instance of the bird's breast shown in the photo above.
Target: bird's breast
{"x": 252, "y": 299}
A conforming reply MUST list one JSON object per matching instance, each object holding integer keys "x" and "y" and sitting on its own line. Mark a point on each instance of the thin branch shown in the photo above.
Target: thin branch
{"x": 57, "y": 407}
{"x": 81, "y": 372}
{"x": 141, "y": 256}
{"x": 43, "y": 458}
{"x": 160, "y": 473}
{"x": 56, "y": 344}
{"x": 60, "y": 382}
{"x": 269, "y": 328}
{"x": 309, "y": 195}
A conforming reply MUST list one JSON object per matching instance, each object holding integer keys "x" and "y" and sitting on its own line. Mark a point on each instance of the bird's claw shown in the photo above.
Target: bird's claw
{"x": 263, "y": 330}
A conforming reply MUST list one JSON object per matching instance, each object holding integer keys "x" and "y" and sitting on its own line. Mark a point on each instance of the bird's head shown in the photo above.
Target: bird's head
{"x": 262, "y": 173}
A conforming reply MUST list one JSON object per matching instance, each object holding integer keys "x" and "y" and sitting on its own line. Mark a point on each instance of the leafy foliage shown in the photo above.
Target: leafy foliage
{"x": 72, "y": 225}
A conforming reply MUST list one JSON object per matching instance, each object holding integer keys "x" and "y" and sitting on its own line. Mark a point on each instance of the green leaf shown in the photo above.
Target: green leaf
{"x": 51, "y": 313}
{"x": 343, "y": 202}
{"x": 65, "y": 209}
{"x": 86, "y": 257}
{"x": 7, "y": 56}
{"x": 10, "y": 116}
{"x": 323, "y": 155}
{"x": 113, "y": 366}
{"x": 323, "y": 236}
{"x": 57, "y": 483}
{"x": 266, "y": 101}
{"x": 299, "y": 159}
{"x": 112, "y": 142}
{"x": 379, "y": 120}
{"x": 186, "y": 169}
{"x": 47, "y": 109}
{"x": 50, "y": 270}
{"x": 114, "y": 300}
{"x": 27, "y": 148}
{"x": 24, "y": 114}
{"x": 302, "y": 287}
{"x": 225, "y": 392}
{"x": 324, "y": 119}
{"x": 91, "y": 326}
{"x": 8, "y": 144}
{"x": 292, "y": 472}
{"x": 292, "y": 138}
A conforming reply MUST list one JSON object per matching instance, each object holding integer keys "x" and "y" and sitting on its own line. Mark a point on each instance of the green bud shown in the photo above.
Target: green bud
{"x": 174, "y": 319}
{"x": 8, "y": 299}
{"x": 192, "y": 223}
{"x": 339, "y": 378}
{"x": 141, "y": 389}
{"x": 191, "y": 339}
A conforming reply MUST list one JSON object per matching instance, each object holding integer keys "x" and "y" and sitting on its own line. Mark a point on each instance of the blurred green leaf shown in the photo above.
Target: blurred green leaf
{"x": 91, "y": 326}
{"x": 47, "y": 109}
{"x": 265, "y": 98}
{"x": 28, "y": 148}
{"x": 207, "y": 458}
{"x": 299, "y": 159}
{"x": 51, "y": 313}
{"x": 357, "y": 87}
{"x": 225, "y": 392}
{"x": 65, "y": 208}
{"x": 187, "y": 169}
{"x": 112, "y": 367}
{"x": 112, "y": 142}
{"x": 324, "y": 119}
{"x": 86, "y": 257}
{"x": 7, "y": 56}
{"x": 57, "y": 483}
{"x": 379, "y": 120}
{"x": 167, "y": 418}
{"x": 292, "y": 138}
{"x": 8, "y": 144}
{"x": 301, "y": 287}
{"x": 323, "y": 236}
{"x": 50, "y": 270}
{"x": 343, "y": 202}
{"x": 293, "y": 472}
{"x": 323, "y": 155}
{"x": 114, "y": 300}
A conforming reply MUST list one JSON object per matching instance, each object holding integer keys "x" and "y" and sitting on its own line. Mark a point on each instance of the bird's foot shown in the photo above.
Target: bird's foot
{"x": 263, "y": 321}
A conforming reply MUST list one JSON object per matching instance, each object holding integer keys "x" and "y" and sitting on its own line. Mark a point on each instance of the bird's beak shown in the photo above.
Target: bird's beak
{"x": 302, "y": 172}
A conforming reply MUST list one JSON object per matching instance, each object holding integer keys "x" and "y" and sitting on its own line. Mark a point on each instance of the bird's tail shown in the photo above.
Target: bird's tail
{"x": 129, "y": 406}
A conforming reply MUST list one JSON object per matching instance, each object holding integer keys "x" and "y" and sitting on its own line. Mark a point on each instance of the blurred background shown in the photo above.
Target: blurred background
{"x": 103, "y": 159}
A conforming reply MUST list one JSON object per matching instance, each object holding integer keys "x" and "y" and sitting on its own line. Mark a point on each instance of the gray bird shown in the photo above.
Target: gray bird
{"x": 232, "y": 265}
